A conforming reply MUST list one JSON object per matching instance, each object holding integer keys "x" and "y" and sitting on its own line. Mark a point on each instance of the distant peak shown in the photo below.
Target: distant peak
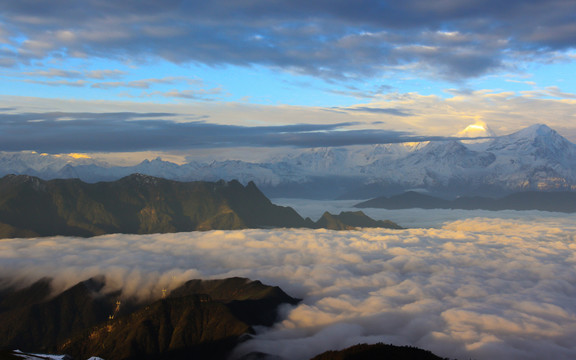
{"x": 535, "y": 131}
{"x": 448, "y": 146}
{"x": 156, "y": 160}
{"x": 538, "y": 129}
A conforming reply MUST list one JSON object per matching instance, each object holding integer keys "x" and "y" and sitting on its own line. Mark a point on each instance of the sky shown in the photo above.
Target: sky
{"x": 178, "y": 77}
{"x": 472, "y": 288}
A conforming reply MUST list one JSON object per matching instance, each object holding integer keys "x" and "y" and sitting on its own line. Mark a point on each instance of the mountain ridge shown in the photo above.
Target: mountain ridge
{"x": 136, "y": 204}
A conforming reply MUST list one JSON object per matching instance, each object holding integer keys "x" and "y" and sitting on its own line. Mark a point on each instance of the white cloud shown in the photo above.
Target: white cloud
{"x": 474, "y": 288}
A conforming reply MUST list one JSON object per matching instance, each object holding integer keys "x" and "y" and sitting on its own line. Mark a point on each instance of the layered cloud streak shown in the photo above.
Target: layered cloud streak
{"x": 60, "y": 132}
{"x": 476, "y": 288}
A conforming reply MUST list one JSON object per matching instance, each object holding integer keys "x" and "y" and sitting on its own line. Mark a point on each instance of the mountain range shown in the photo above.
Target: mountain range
{"x": 535, "y": 158}
{"x": 141, "y": 204}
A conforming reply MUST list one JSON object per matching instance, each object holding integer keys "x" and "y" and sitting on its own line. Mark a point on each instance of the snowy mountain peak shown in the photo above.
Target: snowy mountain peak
{"x": 534, "y": 131}
{"x": 157, "y": 160}
{"x": 444, "y": 148}
{"x": 451, "y": 154}
{"x": 537, "y": 140}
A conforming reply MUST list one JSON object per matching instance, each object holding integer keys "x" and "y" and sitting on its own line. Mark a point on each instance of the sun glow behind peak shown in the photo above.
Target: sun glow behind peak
{"x": 475, "y": 127}
{"x": 478, "y": 129}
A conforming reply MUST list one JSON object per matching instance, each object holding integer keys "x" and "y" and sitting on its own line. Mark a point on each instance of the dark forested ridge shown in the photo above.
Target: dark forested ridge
{"x": 348, "y": 220}
{"x": 137, "y": 204}
{"x": 204, "y": 318}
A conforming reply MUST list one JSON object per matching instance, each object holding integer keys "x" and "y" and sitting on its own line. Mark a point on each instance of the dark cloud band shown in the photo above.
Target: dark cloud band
{"x": 114, "y": 132}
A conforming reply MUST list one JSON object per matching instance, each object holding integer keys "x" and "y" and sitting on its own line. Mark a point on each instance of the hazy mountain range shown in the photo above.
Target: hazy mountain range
{"x": 560, "y": 201}
{"x": 535, "y": 158}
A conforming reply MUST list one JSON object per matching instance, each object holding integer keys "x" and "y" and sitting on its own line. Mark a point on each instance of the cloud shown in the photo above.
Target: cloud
{"x": 77, "y": 83}
{"x": 409, "y": 218}
{"x": 452, "y": 40}
{"x": 474, "y": 288}
{"x": 550, "y": 91}
{"x": 15, "y": 118}
{"x": 196, "y": 94}
{"x": 376, "y": 110}
{"x": 146, "y": 83}
{"x": 504, "y": 112}
{"x": 62, "y": 132}
{"x": 427, "y": 117}
{"x": 74, "y": 74}
{"x": 356, "y": 92}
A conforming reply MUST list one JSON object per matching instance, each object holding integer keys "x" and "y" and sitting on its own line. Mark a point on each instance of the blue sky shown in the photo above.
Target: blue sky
{"x": 401, "y": 69}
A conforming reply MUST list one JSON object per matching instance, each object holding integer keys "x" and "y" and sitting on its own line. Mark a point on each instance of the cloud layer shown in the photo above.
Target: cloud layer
{"x": 331, "y": 39}
{"x": 64, "y": 126}
{"x": 476, "y": 288}
{"x": 61, "y": 132}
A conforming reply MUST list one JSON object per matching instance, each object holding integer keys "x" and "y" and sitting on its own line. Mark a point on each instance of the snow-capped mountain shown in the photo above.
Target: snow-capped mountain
{"x": 33, "y": 163}
{"x": 537, "y": 142}
{"x": 436, "y": 165}
{"x": 535, "y": 158}
{"x": 338, "y": 161}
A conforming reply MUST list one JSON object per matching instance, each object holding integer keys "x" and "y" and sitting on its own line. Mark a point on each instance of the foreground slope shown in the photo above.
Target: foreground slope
{"x": 201, "y": 318}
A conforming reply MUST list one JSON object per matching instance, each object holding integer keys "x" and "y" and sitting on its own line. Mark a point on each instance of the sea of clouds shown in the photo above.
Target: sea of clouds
{"x": 481, "y": 288}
